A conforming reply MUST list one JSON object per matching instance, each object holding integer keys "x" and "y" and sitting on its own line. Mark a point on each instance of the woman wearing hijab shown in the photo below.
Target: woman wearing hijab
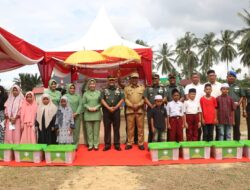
{"x": 45, "y": 120}
{"x": 28, "y": 117}
{"x": 91, "y": 102}
{"x": 12, "y": 116}
{"x": 3, "y": 98}
{"x": 64, "y": 122}
{"x": 54, "y": 94}
{"x": 74, "y": 100}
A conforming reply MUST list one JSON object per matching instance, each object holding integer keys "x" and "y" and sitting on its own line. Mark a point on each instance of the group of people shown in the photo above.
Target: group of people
{"x": 57, "y": 118}
{"x": 197, "y": 108}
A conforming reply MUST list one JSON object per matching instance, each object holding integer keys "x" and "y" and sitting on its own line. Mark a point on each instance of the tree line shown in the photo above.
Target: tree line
{"x": 200, "y": 54}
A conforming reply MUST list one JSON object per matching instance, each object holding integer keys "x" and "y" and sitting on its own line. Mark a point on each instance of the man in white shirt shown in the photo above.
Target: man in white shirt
{"x": 216, "y": 91}
{"x": 195, "y": 78}
{"x": 216, "y": 86}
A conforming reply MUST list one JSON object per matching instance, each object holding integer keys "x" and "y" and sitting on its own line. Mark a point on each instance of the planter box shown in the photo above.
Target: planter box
{"x": 195, "y": 149}
{"x": 164, "y": 151}
{"x": 246, "y": 148}
{"x": 6, "y": 152}
{"x": 227, "y": 149}
{"x": 29, "y": 152}
{"x": 60, "y": 154}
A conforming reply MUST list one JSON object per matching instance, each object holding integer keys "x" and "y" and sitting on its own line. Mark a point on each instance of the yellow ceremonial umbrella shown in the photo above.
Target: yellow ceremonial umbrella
{"x": 121, "y": 52}
{"x": 85, "y": 57}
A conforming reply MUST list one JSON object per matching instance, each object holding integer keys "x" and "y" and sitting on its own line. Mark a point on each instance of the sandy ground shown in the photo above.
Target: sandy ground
{"x": 203, "y": 176}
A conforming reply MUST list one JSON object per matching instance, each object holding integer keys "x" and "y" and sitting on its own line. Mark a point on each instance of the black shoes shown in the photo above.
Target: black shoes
{"x": 127, "y": 147}
{"x": 118, "y": 148}
{"x": 141, "y": 147}
{"x": 90, "y": 148}
{"x": 96, "y": 148}
{"x": 106, "y": 148}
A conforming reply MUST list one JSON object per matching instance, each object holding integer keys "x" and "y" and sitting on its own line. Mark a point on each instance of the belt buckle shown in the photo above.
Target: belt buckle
{"x": 177, "y": 117}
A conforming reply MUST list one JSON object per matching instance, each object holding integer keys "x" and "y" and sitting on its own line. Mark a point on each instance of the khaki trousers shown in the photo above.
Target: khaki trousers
{"x": 139, "y": 119}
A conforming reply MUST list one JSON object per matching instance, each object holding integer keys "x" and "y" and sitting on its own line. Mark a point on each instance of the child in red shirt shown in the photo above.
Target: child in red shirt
{"x": 209, "y": 113}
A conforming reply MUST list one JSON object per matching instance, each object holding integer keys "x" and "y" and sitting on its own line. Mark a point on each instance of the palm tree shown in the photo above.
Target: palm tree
{"x": 141, "y": 42}
{"x": 209, "y": 54}
{"x": 246, "y": 18}
{"x": 163, "y": 59}
{"x": 244, "y": 46}
{"x": 227, "y": 42}
{"x": 186, "y": 56}
{"x": 27, "y": 81}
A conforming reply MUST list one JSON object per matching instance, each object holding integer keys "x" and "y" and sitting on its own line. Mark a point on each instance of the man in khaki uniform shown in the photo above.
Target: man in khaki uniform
{"x": 135, "y": 112}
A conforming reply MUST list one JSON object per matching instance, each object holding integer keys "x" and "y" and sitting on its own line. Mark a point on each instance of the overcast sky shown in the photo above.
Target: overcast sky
{"x": 49, "y": 24}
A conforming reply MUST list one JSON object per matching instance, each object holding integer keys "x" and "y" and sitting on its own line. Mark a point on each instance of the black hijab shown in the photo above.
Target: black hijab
{"x": 3, "y": 98}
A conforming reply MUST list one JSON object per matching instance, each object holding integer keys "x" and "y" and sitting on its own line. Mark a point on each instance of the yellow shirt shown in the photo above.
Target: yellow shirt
{"x": 134, "y": 96}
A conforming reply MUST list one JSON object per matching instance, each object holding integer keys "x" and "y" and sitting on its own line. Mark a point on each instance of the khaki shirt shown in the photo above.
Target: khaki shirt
{"x": 134, "y": 95}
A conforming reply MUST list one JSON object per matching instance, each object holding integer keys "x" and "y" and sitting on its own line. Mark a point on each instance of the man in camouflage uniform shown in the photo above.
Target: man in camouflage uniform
{"x": 149, "y": 97}
{"x": 237, "y": 94}
{"x": 135, "y": 111}
{"x": 172, "y": 85}
{"x": 246, "y": 110}
{"x": 111, "y": 99}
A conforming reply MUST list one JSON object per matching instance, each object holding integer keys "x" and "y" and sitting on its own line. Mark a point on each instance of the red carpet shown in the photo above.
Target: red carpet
{"x": 133, "y": 157}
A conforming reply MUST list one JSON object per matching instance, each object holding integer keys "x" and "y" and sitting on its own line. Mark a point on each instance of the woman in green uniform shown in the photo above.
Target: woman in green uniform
{"x": 54, "y": 94}
{"x": 91, "y": 102}
{"x": 76, "y": 106}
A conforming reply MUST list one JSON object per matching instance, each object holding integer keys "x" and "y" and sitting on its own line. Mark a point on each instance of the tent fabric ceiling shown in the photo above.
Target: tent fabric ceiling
{"x": 15, "y": 53}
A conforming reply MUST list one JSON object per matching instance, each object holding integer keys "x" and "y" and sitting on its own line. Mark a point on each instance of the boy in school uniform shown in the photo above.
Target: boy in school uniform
{"x": 158, "y": 119}
{"x": 192, "y": 112}
{"x": 209, "y": 113}
{"x": 225, "y": 110}
{"x": 175, "y": 112}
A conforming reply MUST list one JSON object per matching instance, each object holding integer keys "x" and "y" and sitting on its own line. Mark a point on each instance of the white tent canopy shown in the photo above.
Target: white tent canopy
{"x": 101, "y": 35}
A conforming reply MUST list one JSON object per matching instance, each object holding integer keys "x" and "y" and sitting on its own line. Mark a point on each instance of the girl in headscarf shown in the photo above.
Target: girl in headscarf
{"x": 64, "y": 122}
{"x": 45, "y": 121}
{"x": 12, "y": 116}
{"x": 3, "y": 98}
{"x": 28, "y": 118}
{"x": 76, "y": 106}
{"x": 54, "y": 94}
{"x": 91, "y": 102}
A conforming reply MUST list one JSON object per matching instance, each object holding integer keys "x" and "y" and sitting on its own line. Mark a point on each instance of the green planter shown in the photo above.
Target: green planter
{"x": 29, "y": 152}
{"x": 246, "y": 148}
{"x": 227, "y": 149}
{"x": 195, "y": 149}
{"x": 6, "y": 152}
{"x": 164, "y": 151}
{"x": 60, "y": 154}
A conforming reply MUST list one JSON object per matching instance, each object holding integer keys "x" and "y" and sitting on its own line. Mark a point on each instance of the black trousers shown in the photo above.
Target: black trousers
{"x": 208, "y": 132}
{"x": 108, "y": 120}
{"x": 217, "y": 133}
{"x": 248, "y": 121}
{"x": 236, "y": 127}
{"x": 150, "y": 132}
{"x": 199, "y": 133}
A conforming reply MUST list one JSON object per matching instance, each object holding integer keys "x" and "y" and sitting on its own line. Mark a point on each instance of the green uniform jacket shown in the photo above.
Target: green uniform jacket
{"x": 236, "y": 92}
{"x": 112, "y": 95}
{"x": 92, "y": 99}
{"x": 151, "y": 92}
